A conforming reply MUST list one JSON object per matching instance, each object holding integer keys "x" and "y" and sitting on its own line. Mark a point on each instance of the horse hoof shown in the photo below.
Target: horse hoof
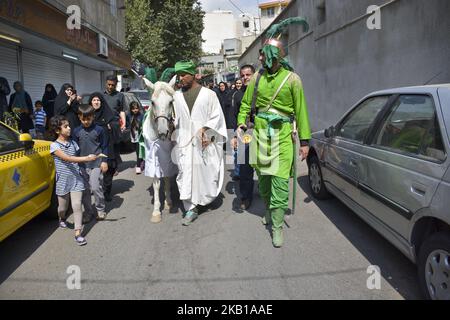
{"x": 156, "y": 218}
{"x": 168, "y": 206}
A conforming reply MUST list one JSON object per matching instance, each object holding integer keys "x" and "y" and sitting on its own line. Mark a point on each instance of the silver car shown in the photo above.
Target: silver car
{"x": 387, "y": 160}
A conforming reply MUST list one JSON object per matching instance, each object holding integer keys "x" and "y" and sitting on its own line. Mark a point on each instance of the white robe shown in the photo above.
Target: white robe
{"x": 201, "y": 173}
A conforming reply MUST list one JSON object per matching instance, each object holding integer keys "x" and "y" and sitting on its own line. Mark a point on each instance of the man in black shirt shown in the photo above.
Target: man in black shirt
{"x": 246, "y": 172}
{"x": 115, "y": 101}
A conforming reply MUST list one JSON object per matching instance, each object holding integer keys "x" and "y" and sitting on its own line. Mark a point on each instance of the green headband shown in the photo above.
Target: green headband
{"x": 185, "y": 67}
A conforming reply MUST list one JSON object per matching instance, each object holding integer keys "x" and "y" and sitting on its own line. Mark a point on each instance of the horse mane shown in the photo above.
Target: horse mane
{"x": 163, "y": 86}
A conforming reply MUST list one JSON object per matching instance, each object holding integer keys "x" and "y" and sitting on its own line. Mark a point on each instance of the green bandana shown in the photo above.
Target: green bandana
{"x": 185, "y": 67}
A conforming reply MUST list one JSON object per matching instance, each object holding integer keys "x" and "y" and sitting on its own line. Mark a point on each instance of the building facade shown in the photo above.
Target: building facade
{"x": 218, "y": 25}
{"x": 341, "y": 59}
{"x": 40, "y": 43}
{"x": 270, "y": 10}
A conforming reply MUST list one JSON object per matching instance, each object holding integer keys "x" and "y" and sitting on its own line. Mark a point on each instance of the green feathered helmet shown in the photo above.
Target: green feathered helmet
{"x": 273, "y": 48}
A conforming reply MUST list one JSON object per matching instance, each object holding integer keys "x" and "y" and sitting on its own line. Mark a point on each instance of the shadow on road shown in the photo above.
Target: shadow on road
{"x": 121, "y": 186}
{"x": 18, "y": 247}
{"x": 127, "y": 165}
{"x": 395, "y": 267}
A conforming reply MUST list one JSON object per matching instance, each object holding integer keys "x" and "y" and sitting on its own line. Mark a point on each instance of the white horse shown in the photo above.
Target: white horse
{"x": 156, "y": 130}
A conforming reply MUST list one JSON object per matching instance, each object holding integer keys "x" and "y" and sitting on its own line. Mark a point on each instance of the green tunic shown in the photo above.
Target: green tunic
{"x": 274, "y": 155}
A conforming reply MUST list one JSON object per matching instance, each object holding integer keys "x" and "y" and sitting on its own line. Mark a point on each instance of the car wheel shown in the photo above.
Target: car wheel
{"x": 434, "y": 267}
{"x": 316, "y": 184}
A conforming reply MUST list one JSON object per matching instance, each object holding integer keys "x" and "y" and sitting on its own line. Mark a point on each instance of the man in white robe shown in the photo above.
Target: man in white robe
{"x": 200, "y": 132}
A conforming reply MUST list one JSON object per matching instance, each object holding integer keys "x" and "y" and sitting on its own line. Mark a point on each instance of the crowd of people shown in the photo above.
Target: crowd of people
{"x": 86, "y": 136}
{"x": 85, "y": 144}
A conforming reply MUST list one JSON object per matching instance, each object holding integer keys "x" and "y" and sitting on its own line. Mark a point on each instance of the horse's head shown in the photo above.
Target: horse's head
{"x": 162, "y": 110}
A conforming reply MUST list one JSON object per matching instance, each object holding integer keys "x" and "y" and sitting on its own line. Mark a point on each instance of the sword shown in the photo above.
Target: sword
{"x": 294, "y": 140}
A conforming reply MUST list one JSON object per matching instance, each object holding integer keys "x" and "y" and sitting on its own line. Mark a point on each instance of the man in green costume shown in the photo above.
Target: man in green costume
{"x": 280, "y": 108}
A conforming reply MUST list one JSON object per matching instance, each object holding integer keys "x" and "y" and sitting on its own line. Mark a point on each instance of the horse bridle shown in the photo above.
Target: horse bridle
{"x": 170, "y": 118}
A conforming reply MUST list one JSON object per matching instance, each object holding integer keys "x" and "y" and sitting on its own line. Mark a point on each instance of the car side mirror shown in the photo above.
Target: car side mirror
{"x": 26, "y": 140}
{"x": 329, "y": 132}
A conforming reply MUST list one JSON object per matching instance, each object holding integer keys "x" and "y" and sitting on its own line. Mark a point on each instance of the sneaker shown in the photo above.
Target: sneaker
{"x": 81, "y": 241}
{"x": 189, "y": 218}
{"x": 138, "y": 170}
{"x": 63, "y": 224}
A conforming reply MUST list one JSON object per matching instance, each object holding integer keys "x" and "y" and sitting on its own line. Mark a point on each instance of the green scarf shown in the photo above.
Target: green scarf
{"x": 273, "y": 53}
{"x": 271, "y": 118}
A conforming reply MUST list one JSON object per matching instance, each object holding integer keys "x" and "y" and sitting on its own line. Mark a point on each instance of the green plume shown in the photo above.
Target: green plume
{"x": 279, "y": 28}
{"x": 167, "y": 75}
{"x": 150, "y": 74}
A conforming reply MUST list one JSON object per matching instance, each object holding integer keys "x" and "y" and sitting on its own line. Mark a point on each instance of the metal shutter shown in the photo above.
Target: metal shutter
{"x": 9, "y": 67}
{"x": 87, "y": 80}
{"x": 38, "y": 70}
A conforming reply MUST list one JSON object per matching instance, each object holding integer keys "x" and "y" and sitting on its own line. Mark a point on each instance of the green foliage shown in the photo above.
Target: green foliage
{"x": 160, "y": 33}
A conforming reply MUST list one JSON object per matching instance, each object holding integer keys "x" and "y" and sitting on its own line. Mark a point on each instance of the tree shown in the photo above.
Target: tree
{"x": 160, "y": 33}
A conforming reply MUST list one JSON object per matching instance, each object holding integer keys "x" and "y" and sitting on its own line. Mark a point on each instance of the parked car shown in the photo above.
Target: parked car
{"x": 143, "y": 96}
{"x": 27, "y": 177}
{"x": 387, "y": 160}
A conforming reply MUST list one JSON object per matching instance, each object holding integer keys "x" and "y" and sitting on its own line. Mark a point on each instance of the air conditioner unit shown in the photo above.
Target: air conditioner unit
{"x": 102, "y": 46}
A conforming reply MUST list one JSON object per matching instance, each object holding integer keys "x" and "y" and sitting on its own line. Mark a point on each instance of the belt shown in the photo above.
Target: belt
{"x": 278, "y": 112}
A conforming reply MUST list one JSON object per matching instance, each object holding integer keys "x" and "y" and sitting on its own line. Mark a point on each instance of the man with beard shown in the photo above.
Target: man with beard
{"x": 243, "y": 171}
{"x": 199, "y": 131}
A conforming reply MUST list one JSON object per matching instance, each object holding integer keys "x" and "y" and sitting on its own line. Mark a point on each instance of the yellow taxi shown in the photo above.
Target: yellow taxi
{"x": 27, "y": 176}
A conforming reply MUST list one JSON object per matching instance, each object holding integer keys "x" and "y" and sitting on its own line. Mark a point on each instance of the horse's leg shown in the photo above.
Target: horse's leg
{"x": 156, "y": 215}
{"x": 168, "y": 201}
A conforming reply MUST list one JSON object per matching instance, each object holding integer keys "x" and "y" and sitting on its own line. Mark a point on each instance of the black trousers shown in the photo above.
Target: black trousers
{"x": 138, "y": 160}
{"x": 108, "y": 177}
{"x": 246, "y": 182}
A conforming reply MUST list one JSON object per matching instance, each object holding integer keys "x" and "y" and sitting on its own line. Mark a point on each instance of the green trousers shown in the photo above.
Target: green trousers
{"x": 275, "y": 193}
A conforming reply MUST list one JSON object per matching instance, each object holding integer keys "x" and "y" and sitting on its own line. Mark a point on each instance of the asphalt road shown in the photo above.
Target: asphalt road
{"x": 225, "y": 254}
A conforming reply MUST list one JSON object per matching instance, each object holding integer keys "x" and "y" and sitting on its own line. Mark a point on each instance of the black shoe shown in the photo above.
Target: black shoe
{"x": 108, "y": 197}
{"x": 245, "y": 204}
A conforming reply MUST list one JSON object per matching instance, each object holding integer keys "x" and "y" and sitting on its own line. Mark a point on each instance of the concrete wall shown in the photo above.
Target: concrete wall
{"x": 341, "y": 60}
{"x": 232, "y": 46}
{"x": 98, "y": 14}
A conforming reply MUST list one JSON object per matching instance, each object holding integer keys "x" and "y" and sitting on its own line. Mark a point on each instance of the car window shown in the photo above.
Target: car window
{"x": 9, "y": 140}
{"x": 412, "y": 127}
{"x": 356, "y": 125}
